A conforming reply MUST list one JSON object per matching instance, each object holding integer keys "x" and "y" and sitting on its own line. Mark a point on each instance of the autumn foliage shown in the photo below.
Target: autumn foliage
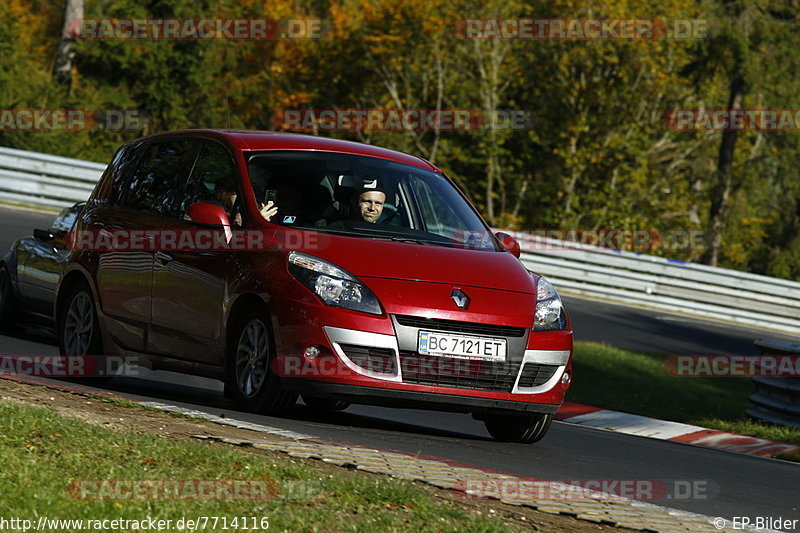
{"x": 599, "y": 153}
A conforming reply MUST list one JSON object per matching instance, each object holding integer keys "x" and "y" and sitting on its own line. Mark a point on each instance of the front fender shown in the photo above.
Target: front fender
{"x": 9, "y": 260}
{"x": 68, "y": 275}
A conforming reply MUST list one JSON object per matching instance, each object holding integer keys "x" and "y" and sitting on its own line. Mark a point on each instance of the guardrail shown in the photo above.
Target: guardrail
{"x": 776, "y": 400}
{"x": 629, "y": 278}
{"x": 44, "y": 180}
{"x": 670, "y": 285}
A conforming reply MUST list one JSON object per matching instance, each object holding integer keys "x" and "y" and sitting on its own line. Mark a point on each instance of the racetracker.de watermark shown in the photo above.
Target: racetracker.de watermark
{"x": 527, "y": 490}
{"x": 409, "y": 366}
{"x": 69, "y": 366}
{"x": 223, "y": 239}
{"x": 173, "y": 489}
{"x": 727, "y": 366}
{"x": 732, "y": 119}
{"x": 402, "y": 120}
{"x": 629, "y": 240}
{"x": 72, "y": 120}
{"x": 177, "y": 29}
{"x": 589, "y": 29}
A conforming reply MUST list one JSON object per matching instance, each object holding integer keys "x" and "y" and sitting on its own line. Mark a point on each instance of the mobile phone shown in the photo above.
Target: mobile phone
{"x": 271, "y": 196}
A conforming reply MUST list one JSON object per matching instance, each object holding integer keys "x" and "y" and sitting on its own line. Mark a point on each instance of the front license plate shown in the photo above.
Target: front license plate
{"x": 432, "y": 343}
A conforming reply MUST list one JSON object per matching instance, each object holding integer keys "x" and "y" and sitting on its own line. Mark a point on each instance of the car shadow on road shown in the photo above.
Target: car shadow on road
{"x": 30, "y": 334}
{"x": 213, "y": 402}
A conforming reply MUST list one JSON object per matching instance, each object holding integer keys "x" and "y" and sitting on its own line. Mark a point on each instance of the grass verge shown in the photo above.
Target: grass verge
{"x": 636, "y": 382}
{"x": 43, "y": 453}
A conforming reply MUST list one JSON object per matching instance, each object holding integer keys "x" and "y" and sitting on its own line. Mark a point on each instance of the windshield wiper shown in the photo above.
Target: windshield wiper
{"x": 383, "y": 235}
{"x": 411, "y": 240}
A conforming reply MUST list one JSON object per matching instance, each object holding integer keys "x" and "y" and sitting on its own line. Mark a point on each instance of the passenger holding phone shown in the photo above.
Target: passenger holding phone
{"x": 268, "y": 211}
{"x": 228, "y": 201}
{"x": 269, "y": 208}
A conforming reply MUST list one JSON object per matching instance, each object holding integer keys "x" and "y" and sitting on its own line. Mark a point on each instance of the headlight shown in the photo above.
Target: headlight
{"x": 550, "y": 314}
{"x": 334, "y": 286}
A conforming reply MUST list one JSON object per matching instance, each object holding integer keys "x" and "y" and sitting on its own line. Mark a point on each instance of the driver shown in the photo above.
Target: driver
{"x": 369, "y": 205}
{"x": 366, "y": 205}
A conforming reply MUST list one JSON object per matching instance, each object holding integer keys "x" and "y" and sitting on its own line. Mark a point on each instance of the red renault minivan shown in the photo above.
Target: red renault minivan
{"x": 291, "y": 265}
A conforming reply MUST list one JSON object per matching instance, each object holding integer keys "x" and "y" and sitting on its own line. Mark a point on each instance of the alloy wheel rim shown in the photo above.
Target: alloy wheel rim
{"x": 78, "y": 325}
{"x": 252, "y": 358}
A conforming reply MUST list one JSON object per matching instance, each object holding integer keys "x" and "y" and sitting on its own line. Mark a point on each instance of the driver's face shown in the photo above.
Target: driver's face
{"x": 370, "y": 205}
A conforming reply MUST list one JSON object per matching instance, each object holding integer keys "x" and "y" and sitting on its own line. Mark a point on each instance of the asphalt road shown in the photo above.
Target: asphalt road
{"x": 736, "y": 485}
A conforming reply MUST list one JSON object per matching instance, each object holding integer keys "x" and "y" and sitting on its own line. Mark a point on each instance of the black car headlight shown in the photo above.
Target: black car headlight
{"x": 333, "y": 285}
{"x": 550, "y": 314}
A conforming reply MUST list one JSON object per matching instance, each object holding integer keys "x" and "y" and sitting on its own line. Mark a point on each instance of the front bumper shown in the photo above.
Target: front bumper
{"x": 412, "y": 399}
{"x": 393, "y": 358}
{"x": 386, "y": 369}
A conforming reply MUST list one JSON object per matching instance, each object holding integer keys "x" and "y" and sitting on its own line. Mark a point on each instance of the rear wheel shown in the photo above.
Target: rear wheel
{"x": 8, "y": 301}
{"x": 525, "y": 429}
{"x": 251, "y": 382}
{"x": 316, "y": 403}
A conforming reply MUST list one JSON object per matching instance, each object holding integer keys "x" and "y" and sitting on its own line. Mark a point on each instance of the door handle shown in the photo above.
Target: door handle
{"x": 163, "y": 258}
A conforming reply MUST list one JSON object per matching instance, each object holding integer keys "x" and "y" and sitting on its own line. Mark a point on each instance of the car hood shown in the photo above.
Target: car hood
{"x": 371, "y": 258}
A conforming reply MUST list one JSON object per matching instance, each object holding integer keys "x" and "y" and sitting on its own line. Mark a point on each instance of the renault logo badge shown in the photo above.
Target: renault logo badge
{"x": 461, "y": 299}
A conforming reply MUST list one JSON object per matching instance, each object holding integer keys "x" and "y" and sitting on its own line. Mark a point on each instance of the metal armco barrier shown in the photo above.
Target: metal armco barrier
{"x": 42, "y": 180}
{"x": 638, "y": 279}
{"x": 776, "y": 400}
{"x": 630, "y": 278}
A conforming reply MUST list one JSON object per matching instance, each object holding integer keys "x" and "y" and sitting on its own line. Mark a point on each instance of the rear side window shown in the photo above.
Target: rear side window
{"x": 156, "y": 173}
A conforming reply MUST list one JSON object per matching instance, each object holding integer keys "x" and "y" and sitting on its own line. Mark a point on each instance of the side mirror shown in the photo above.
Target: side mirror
{"x": 208, "y": 213}
{"x": 43, "y": 235}
{"x": 509, "y": 242}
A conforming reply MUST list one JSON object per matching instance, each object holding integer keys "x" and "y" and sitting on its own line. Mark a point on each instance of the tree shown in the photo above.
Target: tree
{"x": 65, "y": 54}
{"x": 744, "y": 42}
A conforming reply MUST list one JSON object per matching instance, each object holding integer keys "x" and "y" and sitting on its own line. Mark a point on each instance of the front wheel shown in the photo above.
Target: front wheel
{"x": 524, "y": 429}
{"x": 250, "y": 380}
{"x": 78, "y": 330}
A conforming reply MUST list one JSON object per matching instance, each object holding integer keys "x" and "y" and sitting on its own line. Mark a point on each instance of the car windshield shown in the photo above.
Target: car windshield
{"x": 66, "y": 219}
{"x": 365, "y": 197}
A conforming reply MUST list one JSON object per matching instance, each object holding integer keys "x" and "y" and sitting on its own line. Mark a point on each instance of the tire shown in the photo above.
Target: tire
{"x": 78, "y": 311}
{"x": 8, "y": 300}
{"x": 315, "y": 403}
{"x": 250, "y": 381}
{"x": 78, "y": 328}
{"x": 523, "y": 429}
